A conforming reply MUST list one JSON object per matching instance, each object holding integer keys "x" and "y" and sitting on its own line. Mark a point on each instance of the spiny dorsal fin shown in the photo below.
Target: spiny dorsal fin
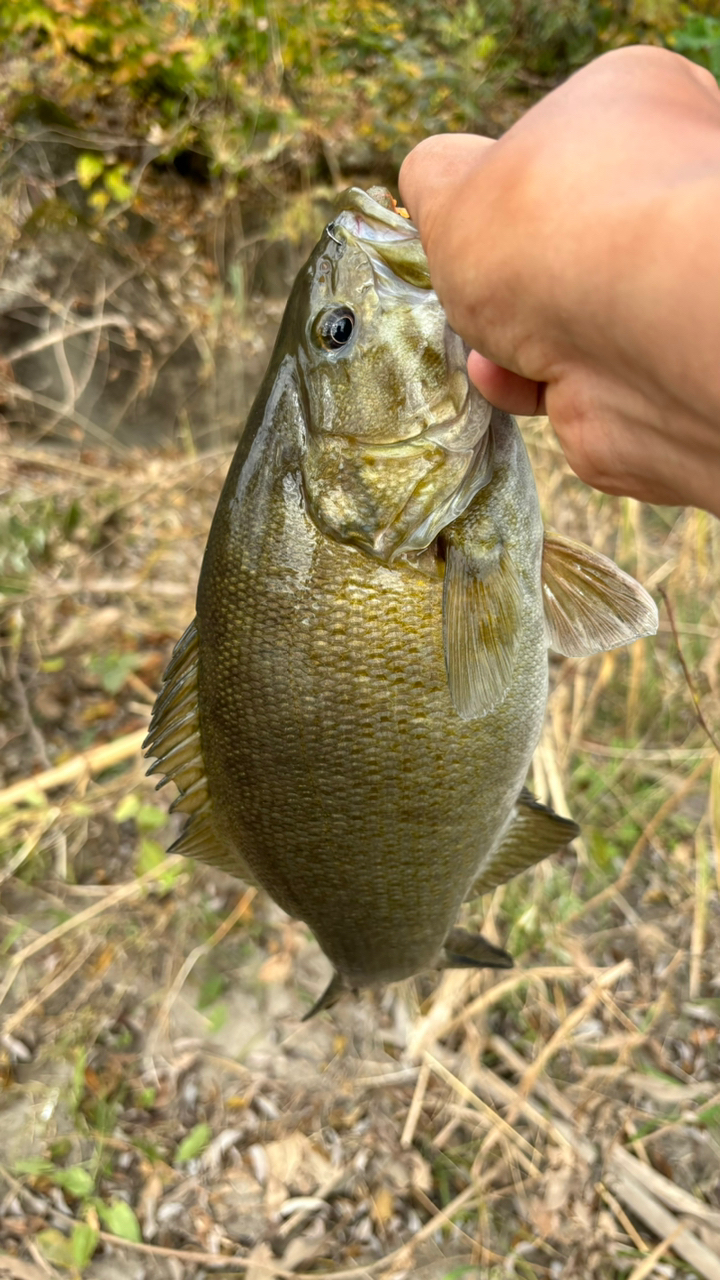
{"x": 463, "y": 950}
{"x": 534, "y": 834}
{"x": 174, "y": 733}
{"x": 590, "y": 604}
{"x": 174, "y": 737}
{"x": 481, "y": 612}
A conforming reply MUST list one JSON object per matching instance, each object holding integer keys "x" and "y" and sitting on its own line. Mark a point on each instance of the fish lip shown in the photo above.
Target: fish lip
{"x": 361, "y": 215}
{"x": 390, "y": 242}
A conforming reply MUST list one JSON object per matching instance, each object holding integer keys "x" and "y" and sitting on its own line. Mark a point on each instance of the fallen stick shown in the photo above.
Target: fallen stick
{"x": 644, "y": 1205}
{"x": 14, "y": 1269}
{"x": 83, "y": 765}
{"x": 675, "y": 1197}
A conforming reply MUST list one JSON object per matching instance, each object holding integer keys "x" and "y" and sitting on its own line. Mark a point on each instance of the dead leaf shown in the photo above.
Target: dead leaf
{"x": 296, "y": 1163}
{"x": 261, "y": 1263}
{"x": 383, "y": 1206}
{"x": 277, "y": 968}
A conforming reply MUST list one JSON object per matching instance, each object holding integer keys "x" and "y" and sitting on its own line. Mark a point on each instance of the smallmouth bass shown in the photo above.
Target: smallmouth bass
{"x": 350, "y": 717}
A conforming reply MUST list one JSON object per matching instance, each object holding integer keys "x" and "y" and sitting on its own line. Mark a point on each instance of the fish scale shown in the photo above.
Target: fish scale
{"x": 351, "y": 716}
{"x": 324, "y": 778}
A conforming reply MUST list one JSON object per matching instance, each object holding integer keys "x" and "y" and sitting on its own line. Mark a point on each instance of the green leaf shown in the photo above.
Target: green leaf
{"x": 211, "y": 989}
{"x": 83, "y": 1243}
{"x": 60, "y": 1150}
{"x": 117, "y": 185}
{"x": 114, "y": 668}
{"x": 56, "y": 1248}
{"x": 34, "y": 1166}
{"x": 50, "y": 665}
{"x": 88, "y": 167}
{"x": 709, "y": 1116}
{"x": 150, "y": 817}
{"x": 103, "y": 1114}
{"x": 11, "y": 937}
{"x": 99, "y": 200}
{"x": 120, "y": 1220}
{"x": 72, "y": 518}
{"x": 150, "y": 856}
{"x": 217, "y": 1017}
{"x": 128, "y": 807}
{"x": 76, "y": 1181}
{"x": 194, "y": 1143}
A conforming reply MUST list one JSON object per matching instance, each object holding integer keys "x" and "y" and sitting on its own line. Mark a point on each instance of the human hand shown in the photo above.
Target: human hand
{"x": 580, "y": 255}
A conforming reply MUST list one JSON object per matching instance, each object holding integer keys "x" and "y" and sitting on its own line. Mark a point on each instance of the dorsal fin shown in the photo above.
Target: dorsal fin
{"x": 590, "y": 604}
{"x": 174, "y": 738}
{"x": 534, "y": 833}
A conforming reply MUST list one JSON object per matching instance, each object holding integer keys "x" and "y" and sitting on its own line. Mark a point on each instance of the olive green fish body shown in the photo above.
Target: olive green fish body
{"x": 337, "y": 763}
{"x": 350, "y": 718}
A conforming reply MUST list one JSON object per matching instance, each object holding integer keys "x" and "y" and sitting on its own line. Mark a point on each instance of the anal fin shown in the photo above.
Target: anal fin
{"x": 535, "y": 833}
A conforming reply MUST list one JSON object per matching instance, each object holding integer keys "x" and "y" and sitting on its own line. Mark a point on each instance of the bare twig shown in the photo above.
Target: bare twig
{"x": 644, "y": 1205}
{"x": 62, "y": 334}
{"x": 86, "y": 764}
{"x": 226, "y": 1262}
{"x": 55, "y": 406}
{"x": 646, "y": 1266}
{"x": 20, "y": 693}
{"x": 428, "y": 1031}
{"x": 415, "y": 1108}
{"x": 700, "y": 907}
{"x": 121, "y": 894}
{"x": 688, "y": 678}
{"x": 191, "y": 960}
{"x": 15, "y": 1269}
{"x": 34, "y": 1002}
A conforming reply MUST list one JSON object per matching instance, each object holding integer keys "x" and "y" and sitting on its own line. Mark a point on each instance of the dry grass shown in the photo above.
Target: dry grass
{"x": 164, "y": 1112}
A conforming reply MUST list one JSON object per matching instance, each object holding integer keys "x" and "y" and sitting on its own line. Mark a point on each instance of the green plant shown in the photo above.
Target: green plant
{"x": 699, "y": 38}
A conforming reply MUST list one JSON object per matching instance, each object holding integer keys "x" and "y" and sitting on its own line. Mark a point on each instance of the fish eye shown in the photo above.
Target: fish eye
{"x": 334, "y": 329}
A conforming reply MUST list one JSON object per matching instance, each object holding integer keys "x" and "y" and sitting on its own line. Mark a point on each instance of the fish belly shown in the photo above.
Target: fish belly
{"x": 336, "y": 763}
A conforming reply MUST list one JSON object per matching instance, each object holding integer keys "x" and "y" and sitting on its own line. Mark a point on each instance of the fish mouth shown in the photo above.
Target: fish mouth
{"x": 370, "y": 219}
{"x": 390, "y": 241}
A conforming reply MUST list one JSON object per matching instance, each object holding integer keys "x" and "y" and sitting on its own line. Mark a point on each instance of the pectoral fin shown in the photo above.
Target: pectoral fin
{"x": 481, "y": 614}
{"x": 463, "y": 950}
{"x": 590, "y": 604}
{"x": 174, "y": 738}
{"x": 535, "y": 833}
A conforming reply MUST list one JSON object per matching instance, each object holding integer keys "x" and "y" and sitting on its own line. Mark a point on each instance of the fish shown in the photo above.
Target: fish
{"x": 351, "y": 715}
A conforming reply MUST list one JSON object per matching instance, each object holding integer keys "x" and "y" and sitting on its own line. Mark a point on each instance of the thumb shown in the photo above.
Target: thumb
{"x": 433, "y": 169}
